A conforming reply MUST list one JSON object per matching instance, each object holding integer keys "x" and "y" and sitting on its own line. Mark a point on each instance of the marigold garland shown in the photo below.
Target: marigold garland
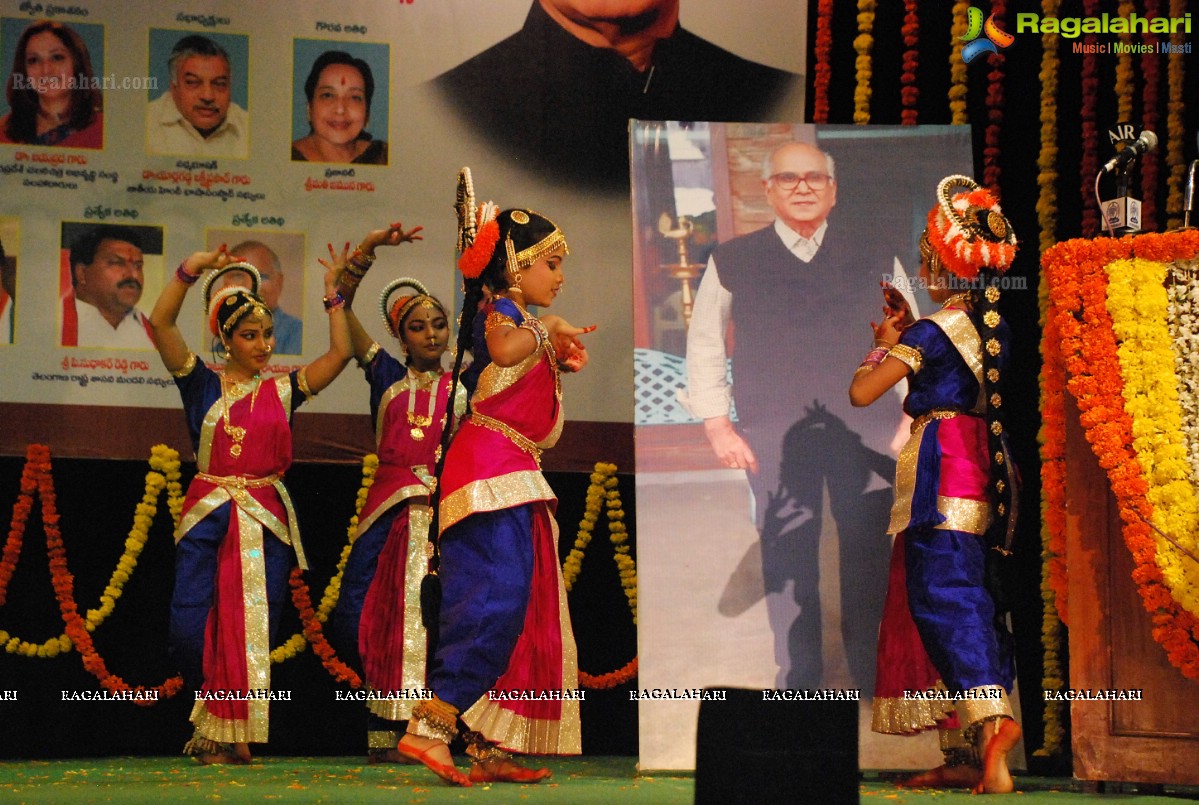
{"x": 1052, "y": 439}
{"x": 909, "y": 93}
{"x": 38, "y": 474}
{"x": 301, "y": 596}
{"x": 958, "y": 86}
{"x": 164, "y": 473}
{"x": 1089, "y": 166}
{"x": 863, "y": 44}
{"x": 995, "y": 76}
{"x": 1149, "y": 119}
{"x": 1138, "y": 304}
{"x": 604, "y": 492}
{"x": 1047, "y": 158}
{"x": 1175, "y": 106}
{"x": 1088, "y": 351}
{"x": 315, "y": 635}
{"x": 1124, "y": 77}
{"x": 823, "y": 52}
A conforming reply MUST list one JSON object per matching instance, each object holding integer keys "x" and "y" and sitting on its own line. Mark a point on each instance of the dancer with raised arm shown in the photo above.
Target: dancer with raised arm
{"x": 238, "y": 537}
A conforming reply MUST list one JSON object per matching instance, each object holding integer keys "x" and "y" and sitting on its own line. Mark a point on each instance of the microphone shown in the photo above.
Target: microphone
{"x": 1143, "y": 145}
{"x": 1188, "y": 199}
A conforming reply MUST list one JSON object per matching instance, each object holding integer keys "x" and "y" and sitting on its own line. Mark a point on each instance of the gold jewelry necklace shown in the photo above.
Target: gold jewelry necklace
{"x": 420, "y": 380}
{"x": 235, "y": 433}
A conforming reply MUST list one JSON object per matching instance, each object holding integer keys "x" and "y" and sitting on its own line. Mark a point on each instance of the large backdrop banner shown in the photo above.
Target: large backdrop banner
{"x": 769, "y": 577}
{"x": 135, "y": 133}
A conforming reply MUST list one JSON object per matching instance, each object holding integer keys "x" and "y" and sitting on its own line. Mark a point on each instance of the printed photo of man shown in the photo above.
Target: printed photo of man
{"x": 198, "y": 115}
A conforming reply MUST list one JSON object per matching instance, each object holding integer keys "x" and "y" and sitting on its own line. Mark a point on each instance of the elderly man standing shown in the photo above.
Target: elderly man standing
{"x": 107, "y": 276}
{"x": 787, "y": 292}
{"x": 197, "y": 116}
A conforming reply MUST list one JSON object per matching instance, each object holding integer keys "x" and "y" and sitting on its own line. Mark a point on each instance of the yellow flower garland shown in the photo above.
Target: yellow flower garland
{"x": 863, "y": 44}
{"x": 164, "y": 474}
{"x": 297, "y": 642}
{"x": 1124, "y": 81}
{"x": 1047, "y": 159}
{"x": 1137, "y": 302}
{"x": 958, "y": 87}
{"x": 604, "y": 491}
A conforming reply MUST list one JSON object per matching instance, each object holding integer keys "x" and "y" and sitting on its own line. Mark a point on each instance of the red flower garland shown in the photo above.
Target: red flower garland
{"x": 1150, "y": 163}
{"x": 909, "y": 91}
{"x": 824, "y": 52}
{"x": 38, "y": 471}
{"x": 1090, "y": 131}
{"x": 991, "y": 167}
{"x": 315, "y": 634}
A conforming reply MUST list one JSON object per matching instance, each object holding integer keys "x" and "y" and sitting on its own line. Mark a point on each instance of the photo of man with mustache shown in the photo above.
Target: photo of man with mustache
{"x": 198, "y": 115}
{"x": 107, "y": 278}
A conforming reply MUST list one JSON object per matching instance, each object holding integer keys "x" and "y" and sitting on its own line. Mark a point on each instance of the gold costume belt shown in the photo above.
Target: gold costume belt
{"x": 239, "y": 481}
{"x": 938, "y": 413}
{"x": 517, "y": 438}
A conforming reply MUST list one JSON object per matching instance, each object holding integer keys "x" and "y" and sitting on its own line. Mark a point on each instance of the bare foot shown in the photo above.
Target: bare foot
{"x": 434, "y": 755}
{"x": 241, "y": 751}
{"x": 943, "y": 777}
{"x": 996, "y": 779}
{"x": 506, "y": 770}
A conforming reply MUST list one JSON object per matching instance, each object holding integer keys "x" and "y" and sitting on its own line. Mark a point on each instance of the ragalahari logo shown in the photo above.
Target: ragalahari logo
{"x": 994, "y": 36}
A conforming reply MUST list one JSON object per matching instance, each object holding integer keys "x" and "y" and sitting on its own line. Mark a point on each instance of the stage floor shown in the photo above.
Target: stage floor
{"x": 577, "y": 781}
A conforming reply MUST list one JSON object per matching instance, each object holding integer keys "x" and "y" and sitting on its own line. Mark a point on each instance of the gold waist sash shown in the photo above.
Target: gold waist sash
{"x": 516, "y": 437}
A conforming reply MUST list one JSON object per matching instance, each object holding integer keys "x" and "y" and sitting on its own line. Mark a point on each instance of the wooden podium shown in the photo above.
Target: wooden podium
{"x": 1155, "y": 740}
{"x": 1111, "y": 643}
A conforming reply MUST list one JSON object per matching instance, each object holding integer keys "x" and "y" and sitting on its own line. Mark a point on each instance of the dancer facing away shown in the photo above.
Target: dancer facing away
{"x": 943, "y": 627}
{"x": 379, "y": 608}
{"x": 236, "y": 538}
{"x": 504, "y": 625}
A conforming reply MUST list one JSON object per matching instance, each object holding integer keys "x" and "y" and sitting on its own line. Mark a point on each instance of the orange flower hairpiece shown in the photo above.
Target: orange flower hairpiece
{"x": 475, "y": 258}
{"x": 968, "y": 231}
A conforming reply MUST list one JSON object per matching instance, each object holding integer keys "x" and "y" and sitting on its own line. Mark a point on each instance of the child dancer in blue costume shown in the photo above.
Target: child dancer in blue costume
{"x": 954, "y": 497}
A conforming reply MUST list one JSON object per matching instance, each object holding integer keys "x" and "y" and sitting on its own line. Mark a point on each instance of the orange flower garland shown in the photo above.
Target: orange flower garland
{"x": 316, "y": 635}
{"x": 38, "y": 473}
{"x": 1087, "y": 350}
{"x": 16, "y": 530}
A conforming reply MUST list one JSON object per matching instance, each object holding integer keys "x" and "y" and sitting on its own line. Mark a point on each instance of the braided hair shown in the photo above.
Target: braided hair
{"x": 968, "y": 236}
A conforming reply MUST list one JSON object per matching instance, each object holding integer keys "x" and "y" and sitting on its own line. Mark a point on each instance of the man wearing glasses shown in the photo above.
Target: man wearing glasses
{"x": 789, "y": 304}
{"x": 107, "y": 278}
